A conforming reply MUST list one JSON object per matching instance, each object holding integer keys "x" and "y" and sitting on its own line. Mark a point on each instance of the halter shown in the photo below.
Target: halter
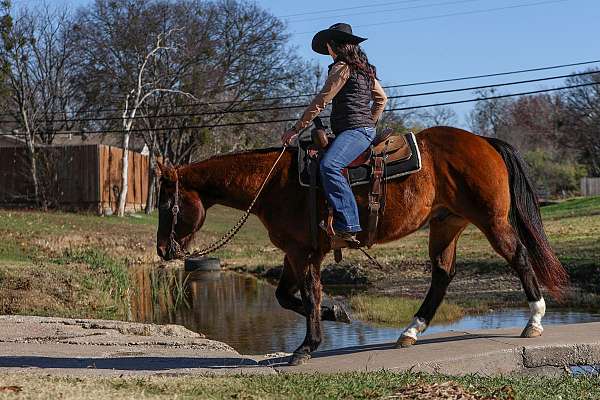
{"x": 173, "y": 244}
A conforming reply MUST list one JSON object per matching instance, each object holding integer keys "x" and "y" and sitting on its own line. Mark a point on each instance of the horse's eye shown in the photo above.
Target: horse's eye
{"x": 165, "y": 205}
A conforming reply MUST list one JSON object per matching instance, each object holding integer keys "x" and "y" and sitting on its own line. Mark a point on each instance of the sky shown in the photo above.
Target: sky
{"x": 421, "y": 40}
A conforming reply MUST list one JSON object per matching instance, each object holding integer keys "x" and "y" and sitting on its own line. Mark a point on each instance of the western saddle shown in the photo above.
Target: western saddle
{"x": 386, "y": 149}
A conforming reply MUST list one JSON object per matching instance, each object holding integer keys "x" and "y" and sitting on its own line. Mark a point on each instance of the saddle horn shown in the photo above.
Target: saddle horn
{"x": 319, "y": 134}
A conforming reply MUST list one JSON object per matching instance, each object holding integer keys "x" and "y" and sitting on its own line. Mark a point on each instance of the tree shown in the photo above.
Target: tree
{"x": 436, "y": 116}
{"x": 581, "y": 120}
{"x": 229, "y": 52}
{"x": 487, "y": 117}
{"x": 36, "y": 54}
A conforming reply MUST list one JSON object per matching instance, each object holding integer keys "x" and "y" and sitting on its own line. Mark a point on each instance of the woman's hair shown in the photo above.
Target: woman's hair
{"x": 355, "y": 57}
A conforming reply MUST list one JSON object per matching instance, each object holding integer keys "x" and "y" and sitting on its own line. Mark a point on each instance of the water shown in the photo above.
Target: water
{"x": 243, "y": 312}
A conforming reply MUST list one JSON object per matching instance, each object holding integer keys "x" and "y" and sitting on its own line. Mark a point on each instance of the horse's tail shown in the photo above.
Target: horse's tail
{"x": 525, "y": 217}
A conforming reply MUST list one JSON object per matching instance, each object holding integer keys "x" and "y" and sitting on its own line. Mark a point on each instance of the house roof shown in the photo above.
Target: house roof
{"x": 110, "y": 139}
{"x": 136, "y": 143}
{"x": 11, "y": 141}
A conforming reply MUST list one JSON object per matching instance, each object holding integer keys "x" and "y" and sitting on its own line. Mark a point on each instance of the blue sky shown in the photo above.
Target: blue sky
{"x": 411, "y": 40}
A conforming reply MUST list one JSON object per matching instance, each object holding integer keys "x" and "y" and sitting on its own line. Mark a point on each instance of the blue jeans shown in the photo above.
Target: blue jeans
{"x": 347, "y": 146}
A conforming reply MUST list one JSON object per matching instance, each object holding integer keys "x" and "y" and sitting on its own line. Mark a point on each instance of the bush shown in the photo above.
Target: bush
{"x": 552, "y": 176}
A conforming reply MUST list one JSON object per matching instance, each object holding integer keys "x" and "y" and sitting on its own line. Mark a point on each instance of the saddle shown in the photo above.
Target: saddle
{"x": 390, "y": 156}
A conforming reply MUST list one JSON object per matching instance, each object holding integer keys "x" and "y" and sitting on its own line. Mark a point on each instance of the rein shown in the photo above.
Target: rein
{"x": 231, "y": 233}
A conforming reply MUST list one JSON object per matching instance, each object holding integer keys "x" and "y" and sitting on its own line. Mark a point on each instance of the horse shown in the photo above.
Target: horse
{"x": 465, "y": 179}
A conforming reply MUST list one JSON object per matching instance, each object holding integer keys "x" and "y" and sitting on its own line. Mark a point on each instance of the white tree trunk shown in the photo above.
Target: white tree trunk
{"x": 30, "y": 141}
{"x": 124, "y": 176}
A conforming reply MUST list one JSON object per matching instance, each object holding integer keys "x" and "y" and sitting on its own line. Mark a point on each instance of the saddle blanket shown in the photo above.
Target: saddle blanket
{"x": 361, "y": 175}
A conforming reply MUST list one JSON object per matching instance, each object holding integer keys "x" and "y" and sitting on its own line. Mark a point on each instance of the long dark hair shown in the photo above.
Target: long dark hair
{"x": 355, "y": 57}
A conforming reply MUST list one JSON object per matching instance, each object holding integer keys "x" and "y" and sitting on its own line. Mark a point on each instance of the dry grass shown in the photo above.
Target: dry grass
{"x": 375, "y": 385}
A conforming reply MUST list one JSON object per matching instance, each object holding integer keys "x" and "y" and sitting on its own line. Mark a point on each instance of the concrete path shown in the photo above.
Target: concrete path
{"x": 94, "y": 347}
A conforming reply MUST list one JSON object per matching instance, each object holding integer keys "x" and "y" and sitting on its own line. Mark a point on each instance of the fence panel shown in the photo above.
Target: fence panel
{"x": 590, "y": 186}
{"x": 73, "y": 177}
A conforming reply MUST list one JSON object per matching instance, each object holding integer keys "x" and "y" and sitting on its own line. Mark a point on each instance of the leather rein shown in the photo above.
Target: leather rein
{"x": 227, "y": 237}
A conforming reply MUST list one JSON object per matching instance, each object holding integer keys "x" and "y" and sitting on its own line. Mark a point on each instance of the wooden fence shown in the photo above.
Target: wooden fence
{"x": 590, "y": 186}
{"x": 74, "y": 177}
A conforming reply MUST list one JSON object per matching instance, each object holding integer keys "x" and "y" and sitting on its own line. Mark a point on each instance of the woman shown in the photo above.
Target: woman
{"x": 358, "y": 102}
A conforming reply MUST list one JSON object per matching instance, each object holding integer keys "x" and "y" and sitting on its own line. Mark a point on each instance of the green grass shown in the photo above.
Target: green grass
{"x": 583, "y": 206}
{"x": 110, "y": 273}
{"x": 398, "y": 310}
{"x": 373, "y": 385}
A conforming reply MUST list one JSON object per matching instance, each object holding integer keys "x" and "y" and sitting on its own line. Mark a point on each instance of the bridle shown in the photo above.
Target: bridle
{"x": 173, "y": 244}
{"x": 227, "y": 237}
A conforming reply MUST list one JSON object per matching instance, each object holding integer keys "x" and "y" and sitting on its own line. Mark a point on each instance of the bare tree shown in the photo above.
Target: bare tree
{"x": 134, "y": 100}
{"x": 436, "y": 116}
{"x": 486, "y": 118}
{"x": 581, "y": 120}
{"x": 36, "y": 53}
{"x": 229, "y": 52}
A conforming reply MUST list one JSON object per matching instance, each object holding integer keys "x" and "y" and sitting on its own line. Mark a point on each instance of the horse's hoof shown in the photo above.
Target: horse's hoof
{"x": 298, "y": 359}
{"x": 341, "y": 315}
{"x": 531, "y": 331}
{"x": 405, "y": 341}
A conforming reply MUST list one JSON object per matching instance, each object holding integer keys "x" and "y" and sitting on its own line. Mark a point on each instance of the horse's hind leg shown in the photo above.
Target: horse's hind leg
{"x": 443, "y": 235}
{"x": 285, "y": 293}
{"x": 506, "y": 242}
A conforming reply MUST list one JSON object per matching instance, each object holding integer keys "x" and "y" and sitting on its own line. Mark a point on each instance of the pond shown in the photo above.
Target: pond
{"x": 242, "y": 311}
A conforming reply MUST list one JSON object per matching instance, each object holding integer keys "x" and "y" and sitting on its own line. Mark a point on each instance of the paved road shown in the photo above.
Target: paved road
{"x": 95, "y": 347}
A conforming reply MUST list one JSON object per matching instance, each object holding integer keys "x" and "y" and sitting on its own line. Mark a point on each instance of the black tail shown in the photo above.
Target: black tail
{"x": 525, "y": 217}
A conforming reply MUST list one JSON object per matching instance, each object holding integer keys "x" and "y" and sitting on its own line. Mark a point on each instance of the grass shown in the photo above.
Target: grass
{"x": 110, "y": 273}
{"x": 69, "y": 265}
{"x": 398, "y": 310}
{"x": 65, "y": 264}
{"x": 583, "y": 206}
{"x": 373, "y": 385}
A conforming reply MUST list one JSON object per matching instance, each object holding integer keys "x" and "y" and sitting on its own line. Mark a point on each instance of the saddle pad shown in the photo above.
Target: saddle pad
{"x": 361, "y": 175}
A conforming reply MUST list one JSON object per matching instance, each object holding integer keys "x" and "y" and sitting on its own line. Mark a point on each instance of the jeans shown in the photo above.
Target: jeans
{"x": 347, "y": 146}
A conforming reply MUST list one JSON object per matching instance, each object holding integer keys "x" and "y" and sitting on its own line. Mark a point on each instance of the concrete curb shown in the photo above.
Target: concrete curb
{"x": 110, "y": 348}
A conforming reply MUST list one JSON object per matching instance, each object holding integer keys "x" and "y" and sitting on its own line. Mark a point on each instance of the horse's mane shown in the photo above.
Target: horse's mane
{"x": 265, "y": 150}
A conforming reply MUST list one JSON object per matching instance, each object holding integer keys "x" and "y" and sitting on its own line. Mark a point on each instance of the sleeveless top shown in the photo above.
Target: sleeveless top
{"x": 351, "y": 106}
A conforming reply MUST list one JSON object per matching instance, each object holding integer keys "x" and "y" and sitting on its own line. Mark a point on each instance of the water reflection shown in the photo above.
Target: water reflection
{"x": 243, "y": 312}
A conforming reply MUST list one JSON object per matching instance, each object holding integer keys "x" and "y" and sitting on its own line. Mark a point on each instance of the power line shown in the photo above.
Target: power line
{"x": 232, "y": 124}
{"x": 349, "y": 8}
{"x": 447, "y": 3}
{"x": 493, "y": 85}
{"x": 502, "y": 96}
{"x": 505, "y": 73}
{"x": 294, "y": 106}
{"x": 522, "y": 71}
{"x": 430, "y": 17}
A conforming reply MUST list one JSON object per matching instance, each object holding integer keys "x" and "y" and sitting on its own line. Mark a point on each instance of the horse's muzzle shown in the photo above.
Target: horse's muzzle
{"x": 164, "y": 252}
{"x": 170, "y": 251}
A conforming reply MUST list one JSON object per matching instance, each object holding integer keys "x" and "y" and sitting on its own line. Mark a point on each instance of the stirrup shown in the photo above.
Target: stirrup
{"x": 340, "y": 240}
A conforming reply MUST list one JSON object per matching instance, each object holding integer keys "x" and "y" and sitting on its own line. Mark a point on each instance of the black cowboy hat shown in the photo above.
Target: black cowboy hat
{"x": 339, "y": 33}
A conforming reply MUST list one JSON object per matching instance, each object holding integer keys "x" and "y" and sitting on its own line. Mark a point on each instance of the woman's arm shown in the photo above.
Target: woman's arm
{"x": 379, "y": 101}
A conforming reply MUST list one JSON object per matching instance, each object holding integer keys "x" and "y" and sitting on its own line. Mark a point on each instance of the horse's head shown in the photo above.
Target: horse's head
{"x": 180, "y": 214}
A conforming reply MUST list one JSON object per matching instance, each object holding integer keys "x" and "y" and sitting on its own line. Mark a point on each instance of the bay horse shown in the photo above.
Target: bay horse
{"x": 465, "y": 179}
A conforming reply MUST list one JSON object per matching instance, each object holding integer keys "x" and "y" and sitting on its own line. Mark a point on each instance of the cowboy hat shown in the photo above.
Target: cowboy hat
{"x": 339, "y": 33}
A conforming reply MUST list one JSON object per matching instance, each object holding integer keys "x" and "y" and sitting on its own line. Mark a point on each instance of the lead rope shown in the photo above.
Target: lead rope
{"x": 233, "y": 231}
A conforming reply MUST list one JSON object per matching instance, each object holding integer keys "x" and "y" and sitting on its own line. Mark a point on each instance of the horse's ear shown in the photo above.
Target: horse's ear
{"x": 166, "y": 172}
{"x": 158, "y": 169}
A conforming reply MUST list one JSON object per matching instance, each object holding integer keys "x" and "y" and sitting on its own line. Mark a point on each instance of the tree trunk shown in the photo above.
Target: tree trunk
{"x": 124, "y": 176}
{"x": 30, "y": 142}
{"x": 151, "y": 183}
{"x": 34, "y": 174}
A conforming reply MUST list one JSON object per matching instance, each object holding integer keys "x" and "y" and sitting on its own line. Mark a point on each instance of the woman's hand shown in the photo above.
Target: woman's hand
{"x": 288, "y": 137}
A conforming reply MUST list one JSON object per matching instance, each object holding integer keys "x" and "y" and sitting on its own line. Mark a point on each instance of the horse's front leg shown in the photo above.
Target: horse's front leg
{"x": 307, "y": 267}
{"x": 289, "y": 285}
